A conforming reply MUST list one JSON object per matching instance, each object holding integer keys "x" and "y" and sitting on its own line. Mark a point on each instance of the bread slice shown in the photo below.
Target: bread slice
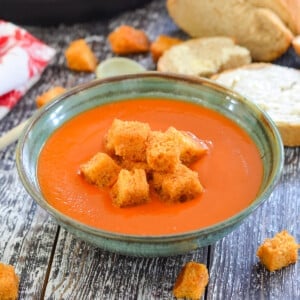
{"x": 276, "y": 89}
{"x": 254, "y": 25}
{"x": 203, "y": 56}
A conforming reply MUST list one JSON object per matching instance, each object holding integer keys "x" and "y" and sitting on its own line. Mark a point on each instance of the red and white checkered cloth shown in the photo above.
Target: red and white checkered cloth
{"x": 23, "y": 58}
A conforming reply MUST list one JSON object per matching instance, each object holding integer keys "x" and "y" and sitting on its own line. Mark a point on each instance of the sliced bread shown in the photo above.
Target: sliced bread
{"x": 276, "y": 89}
{"x": 203, "y": 56}
{"x": 264, "y": 27}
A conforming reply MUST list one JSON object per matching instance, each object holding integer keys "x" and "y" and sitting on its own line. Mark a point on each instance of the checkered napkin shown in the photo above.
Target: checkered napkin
{"x": 23, "y": 58}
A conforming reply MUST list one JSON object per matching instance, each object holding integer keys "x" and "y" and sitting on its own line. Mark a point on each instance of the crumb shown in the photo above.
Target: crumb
{"x": 279, "y": 251}
{"x": 128, "y": 40}
{"x": 80, "y": 56}
{"x": 191, "y": 281}
{"x": 9, "y": 282}
{"x": 49, "y": 95}
{"x": 161, "y": 44}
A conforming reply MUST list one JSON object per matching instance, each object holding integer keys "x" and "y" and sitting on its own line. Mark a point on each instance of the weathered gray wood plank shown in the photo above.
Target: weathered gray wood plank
{"x": 235, "y": 271}
{"x": 27, "y": 234}
{"x": 81, "y": 271}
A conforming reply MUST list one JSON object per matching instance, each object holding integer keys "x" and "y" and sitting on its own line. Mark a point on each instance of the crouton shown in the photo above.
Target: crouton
{"x": 9, "y": 282}
{"x": 279, "y": 251}
{"x": 128, "y": 139}
{"x": 128, "y": 40}
{"x": 191, "y": 281}
{"x": 101, "y": 170}
{"x": 296, "y": 44}
{"x": 181, "y": 185}
{"x": 161, "y": 44}
{"x": 191, "y": 148}
{"x": 49, "y": 95}
{"x": 163, "y": 153}
{"x": 80, "y": 56}
{"x": 131, "y": 188}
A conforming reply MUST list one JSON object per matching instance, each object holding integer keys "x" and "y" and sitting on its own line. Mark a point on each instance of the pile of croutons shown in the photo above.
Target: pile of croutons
{"x": 138, "y": 160}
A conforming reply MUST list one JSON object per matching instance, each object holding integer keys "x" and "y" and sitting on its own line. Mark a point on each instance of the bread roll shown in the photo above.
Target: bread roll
{"x": 203, "y": 56}
{"x": 276, "y": 89}
{"x": 264, "y": 27}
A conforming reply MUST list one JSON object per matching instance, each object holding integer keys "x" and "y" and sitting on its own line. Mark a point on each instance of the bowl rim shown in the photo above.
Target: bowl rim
{"x": 208, "y": 230}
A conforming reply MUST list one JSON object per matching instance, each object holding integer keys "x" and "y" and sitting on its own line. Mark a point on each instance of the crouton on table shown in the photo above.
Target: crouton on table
{"x": 279, "y": 251}
{"x": 80, "y": 56}
{"x": 191, "y": 281}
{"x": 161, "y": 44}
{"x": 128, "y": 40}
{"x": 49, "y": 95}
{"x": 9, "y": 282}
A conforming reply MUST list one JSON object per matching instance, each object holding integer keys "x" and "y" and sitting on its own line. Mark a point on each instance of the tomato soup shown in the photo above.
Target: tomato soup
{"x": 231, "y": 172}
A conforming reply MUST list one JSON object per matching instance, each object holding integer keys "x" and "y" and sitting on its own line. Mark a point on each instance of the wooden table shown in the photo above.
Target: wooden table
{"x": 52, "y": 264}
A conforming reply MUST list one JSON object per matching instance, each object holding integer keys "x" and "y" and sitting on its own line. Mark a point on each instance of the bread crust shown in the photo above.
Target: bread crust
{"x": 289, "y": 129}
{"x": 260, "y": 29}
{"x": 203, "y": 56}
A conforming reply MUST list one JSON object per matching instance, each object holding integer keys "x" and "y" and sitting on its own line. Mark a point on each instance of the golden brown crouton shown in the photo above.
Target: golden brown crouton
{"x": 80, "y": 56}
{"x": 127, "y": 40}
{"x": 100, "y": 170}
{"x": 128, "y": 139}
{"x": 191, "y": 148}
{"x": 49, "y": 95}
{"x": 130, "y": 165}
{"x": 181, "y": 185}
{"x": 9, "y": 282}
{"x": 191, "y": 281}
{"x": 163, "y": 153}
{"x": 279, "y": 251}
{"x": 296, "y": 44}
{"x": 161, "y": 44}
{"x": 131, "y": 188}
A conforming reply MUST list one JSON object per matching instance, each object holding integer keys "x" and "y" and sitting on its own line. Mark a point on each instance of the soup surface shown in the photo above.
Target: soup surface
{"x": 231, "y": 172}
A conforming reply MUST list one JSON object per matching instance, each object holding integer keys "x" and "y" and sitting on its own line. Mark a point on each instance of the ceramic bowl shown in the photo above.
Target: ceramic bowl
{"x": 151, "y": 84}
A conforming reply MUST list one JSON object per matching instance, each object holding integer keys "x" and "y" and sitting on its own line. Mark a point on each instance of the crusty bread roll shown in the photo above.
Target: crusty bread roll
{"x": 276, "y": 89}
{"x": 203, "y": 56}
{"x": 265, "y": 27}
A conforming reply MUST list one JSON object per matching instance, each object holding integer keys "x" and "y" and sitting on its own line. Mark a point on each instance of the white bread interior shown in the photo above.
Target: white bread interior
{"x": 203, "y": 57}
{"x": 275, "y": 89}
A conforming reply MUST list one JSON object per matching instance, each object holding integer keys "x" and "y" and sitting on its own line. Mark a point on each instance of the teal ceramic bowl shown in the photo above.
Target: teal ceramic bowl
{"x": 200, "y": 91}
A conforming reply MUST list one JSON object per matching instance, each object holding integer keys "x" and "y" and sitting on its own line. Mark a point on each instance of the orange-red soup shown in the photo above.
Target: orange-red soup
{"x": 231, "y": 172}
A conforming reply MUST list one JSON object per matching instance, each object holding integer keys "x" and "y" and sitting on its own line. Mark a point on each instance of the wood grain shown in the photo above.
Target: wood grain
{"x": 234, "y": 257}
{"x": 81, "y": 271}
{"x": 27, "y": 235}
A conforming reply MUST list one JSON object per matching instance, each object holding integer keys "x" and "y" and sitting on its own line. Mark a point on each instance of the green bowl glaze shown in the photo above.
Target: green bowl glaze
{"x": 151, "y": 84}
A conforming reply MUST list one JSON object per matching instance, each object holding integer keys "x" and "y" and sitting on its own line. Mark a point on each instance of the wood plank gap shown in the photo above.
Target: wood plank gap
{"x": 208, "y": 268}
{"x": 50, "y": 263}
